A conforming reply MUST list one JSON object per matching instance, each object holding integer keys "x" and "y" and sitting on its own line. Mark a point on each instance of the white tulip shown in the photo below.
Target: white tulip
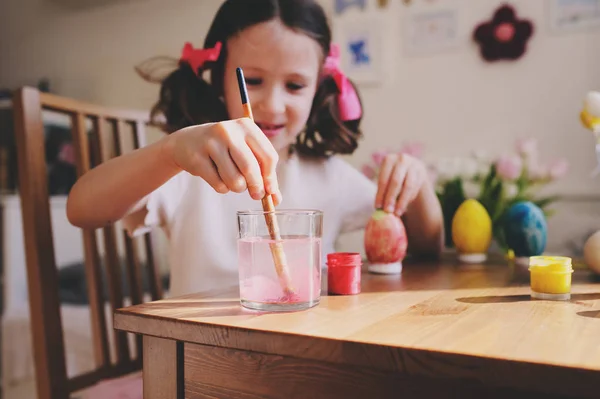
{"x": 469, "y": 168}
{"x": 510, "y": 190}
{"x": 471, "y": 189}
{"x": 445, "y": 169}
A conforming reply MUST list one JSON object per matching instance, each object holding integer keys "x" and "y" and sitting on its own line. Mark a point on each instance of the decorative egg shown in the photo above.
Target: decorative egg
{"x": 591, "y": 252}
{"x": 472, "y": 231}
{"x": 385, "y": 243}
{"x": 526, "y": 231}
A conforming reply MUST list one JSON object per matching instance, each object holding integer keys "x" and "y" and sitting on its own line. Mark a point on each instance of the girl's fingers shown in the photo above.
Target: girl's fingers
{"x": 409, "y": 191}
{"x": 266, "y": 155}
{"x": 385, "y": 172}
{"x": 228, "y": 171}
{"x": 207, "y": 170}
{"x": 248, "y": 165}
{"x": 276, "y": 198}
{"x": 395, "y": 184}
{"x": 244, "y": 158}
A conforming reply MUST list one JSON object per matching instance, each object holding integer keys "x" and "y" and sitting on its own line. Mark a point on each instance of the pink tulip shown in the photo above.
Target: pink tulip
{"x": 67, "y": 153}
{"x": 378, "y": 156}
{"x": 368, "y": 171}
{"x": 527, "y": 147}
{"x": 558, "y": 169}
{"x": 509, "y": 167}
{"x": 536, "y": 170}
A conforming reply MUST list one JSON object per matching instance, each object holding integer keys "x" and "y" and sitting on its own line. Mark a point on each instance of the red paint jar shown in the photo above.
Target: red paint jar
{"x": 343, "y": 273}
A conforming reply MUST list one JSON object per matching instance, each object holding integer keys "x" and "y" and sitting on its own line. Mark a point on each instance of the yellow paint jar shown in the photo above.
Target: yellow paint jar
{"x": 550, "y": 277}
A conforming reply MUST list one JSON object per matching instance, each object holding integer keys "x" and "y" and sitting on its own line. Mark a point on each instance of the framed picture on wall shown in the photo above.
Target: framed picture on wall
{"x": 360, "y": 41}
{"x": 431, "y": 28}
{"x": 573, "y": 15}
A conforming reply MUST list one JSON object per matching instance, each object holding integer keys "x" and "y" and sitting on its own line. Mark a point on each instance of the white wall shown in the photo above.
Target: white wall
{"x": 90, "y": 54}
{"x": 452, "y": 101}
{"x": 447, "y": 100}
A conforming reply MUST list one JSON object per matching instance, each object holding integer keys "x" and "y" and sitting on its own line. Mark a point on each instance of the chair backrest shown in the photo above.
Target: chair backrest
{"x": 98, "y": 134}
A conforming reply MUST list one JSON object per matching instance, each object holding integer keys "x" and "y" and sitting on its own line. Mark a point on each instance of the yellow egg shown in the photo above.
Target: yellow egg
{"x": 472, "y": 231}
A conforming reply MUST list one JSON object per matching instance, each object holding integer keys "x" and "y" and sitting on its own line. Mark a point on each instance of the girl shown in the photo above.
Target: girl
{"x": 192, "y": 181}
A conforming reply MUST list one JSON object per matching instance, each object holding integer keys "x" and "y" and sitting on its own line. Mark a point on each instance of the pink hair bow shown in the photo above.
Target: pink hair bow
{"x": 348, "y": 102}
{"x": 197, "y": 58}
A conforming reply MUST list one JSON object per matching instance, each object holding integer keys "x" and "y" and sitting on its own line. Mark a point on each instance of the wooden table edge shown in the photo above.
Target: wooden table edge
{"x": 493, "y": 371}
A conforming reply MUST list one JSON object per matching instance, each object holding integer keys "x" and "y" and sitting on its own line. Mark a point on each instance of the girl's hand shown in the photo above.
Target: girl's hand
{"x": 401, "y": 178}
{"x": 232, "y": 155}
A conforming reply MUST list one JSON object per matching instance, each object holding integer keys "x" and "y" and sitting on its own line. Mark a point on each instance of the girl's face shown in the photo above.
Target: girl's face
{"x": 281, "y": 67}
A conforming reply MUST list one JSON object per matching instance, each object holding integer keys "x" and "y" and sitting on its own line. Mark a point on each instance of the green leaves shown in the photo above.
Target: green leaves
{"x": 543, "y": 202}
{"x": 450, "y": 196}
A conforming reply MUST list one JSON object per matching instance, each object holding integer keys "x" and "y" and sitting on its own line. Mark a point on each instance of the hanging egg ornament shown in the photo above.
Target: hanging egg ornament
{"x": 526, "y": 231}
{"x": 590, "y": 115}
{"x": 472, "y": 231}
{"x": 591, "y": 252}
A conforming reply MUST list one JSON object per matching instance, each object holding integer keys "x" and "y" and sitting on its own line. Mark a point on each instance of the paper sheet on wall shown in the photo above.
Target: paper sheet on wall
{"x": 431, "y": 27}
{"x": 573, "y": 15}
{"x": 361, "y": 47}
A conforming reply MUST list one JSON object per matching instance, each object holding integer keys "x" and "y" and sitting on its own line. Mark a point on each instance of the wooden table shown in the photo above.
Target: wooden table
{"x": 438, "y": 330}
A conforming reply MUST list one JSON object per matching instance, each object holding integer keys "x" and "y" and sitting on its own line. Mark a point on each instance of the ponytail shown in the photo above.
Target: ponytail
{"x": 185, "y": 98}
{"x": 326, "y": 134}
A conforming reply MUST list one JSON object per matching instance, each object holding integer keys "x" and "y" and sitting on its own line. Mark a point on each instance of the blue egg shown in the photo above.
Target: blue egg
{"x": 525, "y": 229}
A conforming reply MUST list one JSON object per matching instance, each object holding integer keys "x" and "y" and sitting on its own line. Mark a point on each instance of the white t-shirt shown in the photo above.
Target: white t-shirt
{"x": 201, "y": 224}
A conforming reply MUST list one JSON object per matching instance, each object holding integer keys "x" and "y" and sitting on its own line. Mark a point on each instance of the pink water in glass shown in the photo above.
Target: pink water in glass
{"x": 259, "y": 284}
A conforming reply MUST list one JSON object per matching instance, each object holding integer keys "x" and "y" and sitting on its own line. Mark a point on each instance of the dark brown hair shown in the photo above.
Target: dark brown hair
{"x": 187, "y": 99}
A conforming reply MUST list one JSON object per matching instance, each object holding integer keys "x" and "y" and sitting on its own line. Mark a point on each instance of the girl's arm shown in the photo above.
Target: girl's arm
{"x": 424, "y": 223}
{"x": 230, "y": 156}
{"x": 114, "y": 188}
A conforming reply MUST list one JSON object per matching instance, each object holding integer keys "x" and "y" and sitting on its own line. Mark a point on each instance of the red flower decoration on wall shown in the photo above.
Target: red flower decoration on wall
{"x": 504, "y": 37}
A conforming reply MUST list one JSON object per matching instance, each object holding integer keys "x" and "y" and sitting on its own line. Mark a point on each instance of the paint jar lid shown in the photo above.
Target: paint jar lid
{"x": 344, "y": 259}
{"x": 550, "y": 264}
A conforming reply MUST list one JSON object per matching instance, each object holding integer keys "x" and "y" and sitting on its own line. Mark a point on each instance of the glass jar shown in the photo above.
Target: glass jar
{"x": 279, "y": 259}
{"x": 550, "y": 277}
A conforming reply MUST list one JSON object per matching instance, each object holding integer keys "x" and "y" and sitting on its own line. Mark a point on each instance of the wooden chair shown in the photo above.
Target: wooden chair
{"x": 105, "y": 139}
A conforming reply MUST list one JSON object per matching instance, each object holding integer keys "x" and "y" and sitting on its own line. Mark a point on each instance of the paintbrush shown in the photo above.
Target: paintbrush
{"x": 269, "y": 210}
